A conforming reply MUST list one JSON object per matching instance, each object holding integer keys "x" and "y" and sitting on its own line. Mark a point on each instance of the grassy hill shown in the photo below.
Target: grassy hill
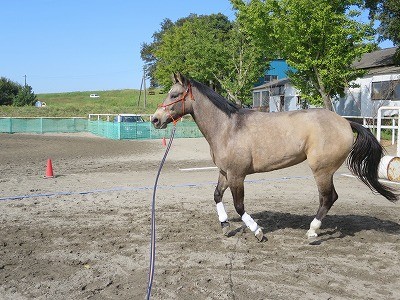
{"x": 79, "y": 104}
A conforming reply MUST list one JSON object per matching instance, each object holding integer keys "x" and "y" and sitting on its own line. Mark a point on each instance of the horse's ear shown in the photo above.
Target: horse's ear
{"x": 181, "y": 79}
{"x": 174, "y": 78}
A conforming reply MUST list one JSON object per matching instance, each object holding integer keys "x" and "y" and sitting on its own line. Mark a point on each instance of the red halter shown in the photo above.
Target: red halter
{"x": 182, "y": 98}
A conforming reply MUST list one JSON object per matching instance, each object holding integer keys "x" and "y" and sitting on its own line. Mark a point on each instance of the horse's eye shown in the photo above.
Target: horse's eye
{"x": 174, "y": 95}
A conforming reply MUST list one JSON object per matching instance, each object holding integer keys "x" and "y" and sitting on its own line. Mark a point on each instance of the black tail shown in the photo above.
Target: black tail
{"x": 364, "y": 158}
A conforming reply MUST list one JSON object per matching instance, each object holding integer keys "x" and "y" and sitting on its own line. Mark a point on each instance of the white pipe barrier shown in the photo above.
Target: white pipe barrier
{"x": 379, "y": 125}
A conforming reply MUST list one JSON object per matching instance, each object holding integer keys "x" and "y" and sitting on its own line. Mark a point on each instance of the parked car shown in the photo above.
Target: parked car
{"x": 128, "y": 118}
{"x": 94, "y": 96}
{"x": 127, "y": 124}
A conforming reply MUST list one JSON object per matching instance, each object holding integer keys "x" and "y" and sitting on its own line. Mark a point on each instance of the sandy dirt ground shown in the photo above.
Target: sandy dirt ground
{"x": 86, "y": 233}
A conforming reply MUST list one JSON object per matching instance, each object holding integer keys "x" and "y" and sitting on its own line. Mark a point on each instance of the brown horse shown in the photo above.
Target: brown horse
{"x": 244, "y": 142}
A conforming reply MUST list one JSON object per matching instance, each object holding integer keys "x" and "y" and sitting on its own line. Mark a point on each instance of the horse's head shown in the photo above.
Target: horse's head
{"x": 175, "y": 105}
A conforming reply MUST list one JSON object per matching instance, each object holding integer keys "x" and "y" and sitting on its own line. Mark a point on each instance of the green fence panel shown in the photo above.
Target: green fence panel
{"x": 183, "y": 130}
{"x": 106, "y": 129}
{"x": 42, "y": 125}
{"x": 6, "y": 125}
{"x": 111, "y": 130}
{"x": 64, "y": 125}
{"x": 141, "y": 130}
{"x": 27, "y": 125}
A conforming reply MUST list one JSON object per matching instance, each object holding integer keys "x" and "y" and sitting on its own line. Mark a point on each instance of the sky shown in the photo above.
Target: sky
{"x": 86, "y": 45}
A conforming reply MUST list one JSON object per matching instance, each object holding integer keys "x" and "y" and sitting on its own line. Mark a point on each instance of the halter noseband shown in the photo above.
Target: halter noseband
{"x": 181, "y": 99}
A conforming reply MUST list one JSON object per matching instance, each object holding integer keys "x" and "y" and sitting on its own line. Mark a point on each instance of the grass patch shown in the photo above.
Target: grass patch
{"x": 79, "y": 104}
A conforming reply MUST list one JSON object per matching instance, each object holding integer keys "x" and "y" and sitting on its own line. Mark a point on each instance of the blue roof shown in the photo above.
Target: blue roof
{"x": 277, "y": 67}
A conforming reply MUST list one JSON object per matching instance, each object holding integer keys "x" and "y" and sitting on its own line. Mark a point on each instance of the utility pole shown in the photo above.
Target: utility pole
{"x": 140, "y": 92}
{"x": 25, "y": 79}
{"x": 144, "y": 86}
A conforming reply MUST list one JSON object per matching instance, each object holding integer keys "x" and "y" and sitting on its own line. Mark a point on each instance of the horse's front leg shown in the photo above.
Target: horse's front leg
{"x": 237, "y": 188}
{"x": 218, "y": 194}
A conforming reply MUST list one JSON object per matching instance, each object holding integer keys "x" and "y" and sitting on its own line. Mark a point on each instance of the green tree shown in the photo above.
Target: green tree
{"x": 319, "y": 38}
{"x": 210, "y": 49}
{"x": 243, "y": 63}
{"x": 190, "y": 46}
{"x": 25, "y": 96}
{"x": 8, "y": 91}
{"x": 147, "y": 52}
{"x": 387, "y": 12}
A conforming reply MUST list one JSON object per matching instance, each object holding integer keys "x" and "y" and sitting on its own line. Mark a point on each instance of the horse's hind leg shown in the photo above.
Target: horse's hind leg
{"x": 218, "y": 194}
{"x": 327, "y": 196}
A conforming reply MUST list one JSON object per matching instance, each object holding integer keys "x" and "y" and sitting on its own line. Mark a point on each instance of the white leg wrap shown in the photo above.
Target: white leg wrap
{"x": 222, "y": 216}
{"x": 315, "y": 225}
{"x": 250, "y": 223}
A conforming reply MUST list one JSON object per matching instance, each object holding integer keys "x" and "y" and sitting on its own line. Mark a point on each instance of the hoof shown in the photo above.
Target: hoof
{"x": 225, "y": 228}
{"x": 259, "y": 235}
{"x": 311, "y": 234}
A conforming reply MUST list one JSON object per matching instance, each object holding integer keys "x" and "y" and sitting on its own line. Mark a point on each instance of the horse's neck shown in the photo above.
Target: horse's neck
{"x": 212, "y": 122}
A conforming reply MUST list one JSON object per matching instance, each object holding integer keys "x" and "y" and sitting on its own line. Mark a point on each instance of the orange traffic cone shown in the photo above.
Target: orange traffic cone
{"x": 164, "y": 142}
{"x": 49, "y": 169}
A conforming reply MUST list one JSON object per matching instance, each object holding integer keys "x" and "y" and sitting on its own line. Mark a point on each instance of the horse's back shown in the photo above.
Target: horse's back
{"x": 309, "y": 123}
{"x": 286, "y": 138}
{"x": 301, "y": 123}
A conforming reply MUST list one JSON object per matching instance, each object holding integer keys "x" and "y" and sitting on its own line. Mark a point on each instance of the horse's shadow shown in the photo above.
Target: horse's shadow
{"x": 345, "y": 225}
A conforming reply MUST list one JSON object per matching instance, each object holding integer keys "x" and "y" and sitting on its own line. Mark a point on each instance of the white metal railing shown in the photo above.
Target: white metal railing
{"x": 369, "y": 122}
{"x": 394, "y": 127}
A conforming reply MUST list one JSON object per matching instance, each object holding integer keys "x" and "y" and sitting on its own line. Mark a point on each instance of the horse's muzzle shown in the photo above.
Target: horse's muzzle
{"x": 157, "y": 123}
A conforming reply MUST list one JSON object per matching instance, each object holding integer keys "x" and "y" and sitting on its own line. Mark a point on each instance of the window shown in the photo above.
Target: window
{"x": 298, "y": 101}
{"x": 265, "y": 100}
{"x": 396, "y": 91}
{"x": 256, "y": 99}
{"x": 278, "y": 90}
{"x": 282, "y": 103}
{"x": 269, "y": 78}
{"x": 386, "y": 90}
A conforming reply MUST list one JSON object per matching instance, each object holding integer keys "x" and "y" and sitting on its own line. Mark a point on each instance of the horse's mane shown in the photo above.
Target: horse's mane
{"x": 220, "y": 102}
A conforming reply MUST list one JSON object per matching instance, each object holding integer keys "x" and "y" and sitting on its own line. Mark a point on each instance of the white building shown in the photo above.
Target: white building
{"x": 277, "y": 95}
{"x": 379, "y": 87}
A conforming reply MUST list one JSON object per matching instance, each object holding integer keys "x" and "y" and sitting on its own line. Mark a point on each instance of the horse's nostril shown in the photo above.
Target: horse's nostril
{"x": 155, "y": 120}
